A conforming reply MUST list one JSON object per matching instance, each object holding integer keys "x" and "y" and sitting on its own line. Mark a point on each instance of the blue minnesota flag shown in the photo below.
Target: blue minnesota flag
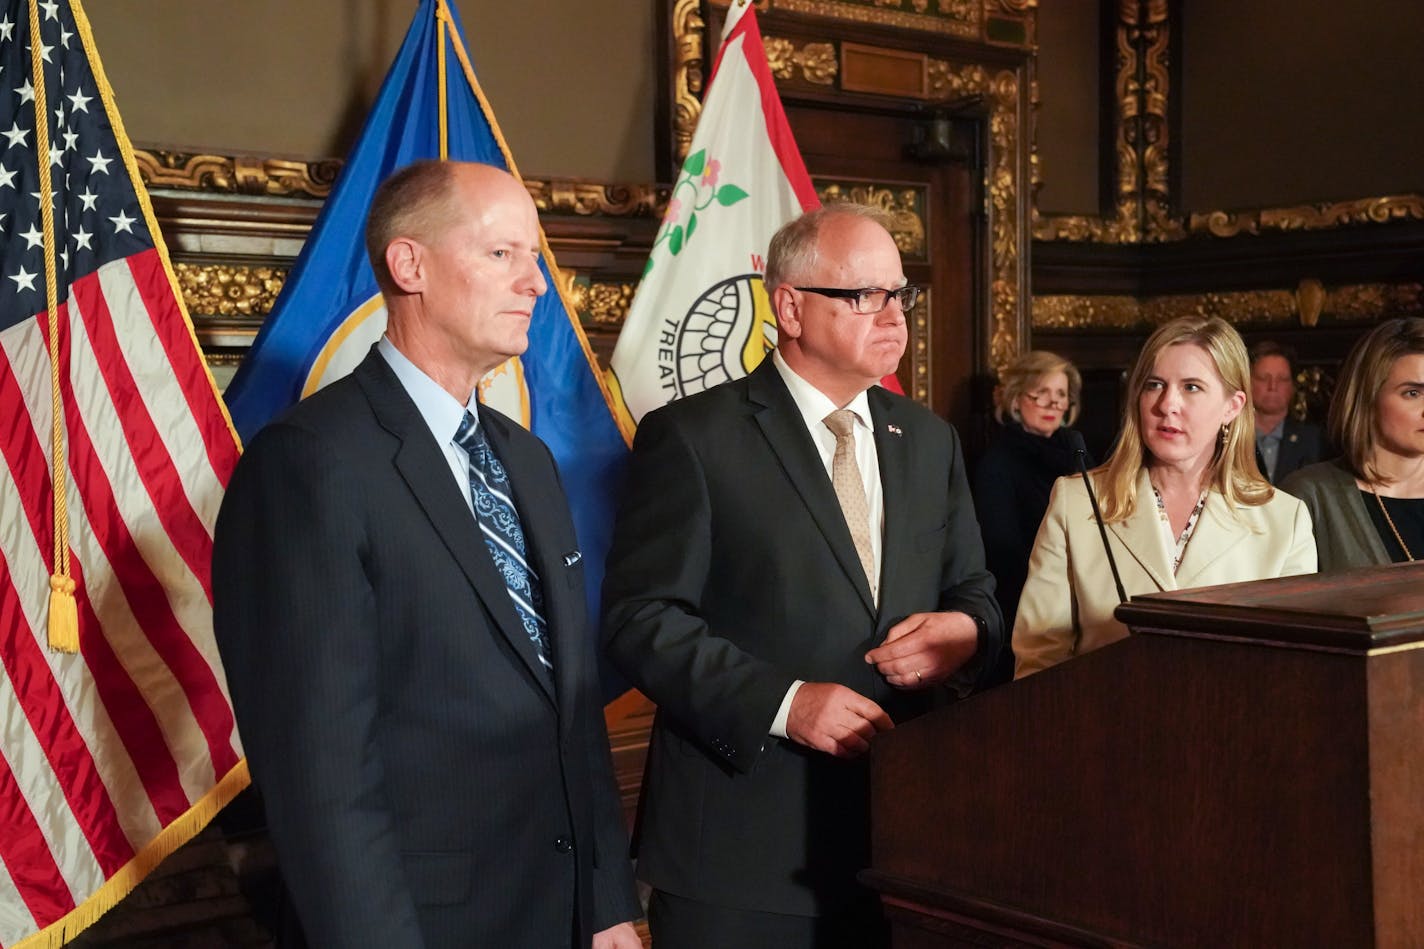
{"x": 330, "y": 310}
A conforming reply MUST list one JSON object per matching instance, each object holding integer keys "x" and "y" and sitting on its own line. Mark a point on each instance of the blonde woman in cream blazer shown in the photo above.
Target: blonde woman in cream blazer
{"x": 1184, "y": 466}
{"x": 1068, "y": 602}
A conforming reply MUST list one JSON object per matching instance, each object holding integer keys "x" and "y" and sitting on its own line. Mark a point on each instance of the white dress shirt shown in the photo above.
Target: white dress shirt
{"x": 814, "y": 406}
{"x": 442, "y": 412}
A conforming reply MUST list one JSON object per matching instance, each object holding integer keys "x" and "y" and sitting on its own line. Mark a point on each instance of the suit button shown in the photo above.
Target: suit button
{"x": 563, "y": 844}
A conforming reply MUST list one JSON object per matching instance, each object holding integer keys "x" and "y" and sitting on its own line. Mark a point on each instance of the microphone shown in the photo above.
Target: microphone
{"x": 1080, "y": 450}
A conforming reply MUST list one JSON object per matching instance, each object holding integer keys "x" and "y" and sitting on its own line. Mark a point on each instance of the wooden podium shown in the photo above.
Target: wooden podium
{"x": 1246, "y": 770}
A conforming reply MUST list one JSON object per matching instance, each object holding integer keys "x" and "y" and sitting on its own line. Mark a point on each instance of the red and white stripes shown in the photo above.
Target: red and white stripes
{"x": 101, "y": 750}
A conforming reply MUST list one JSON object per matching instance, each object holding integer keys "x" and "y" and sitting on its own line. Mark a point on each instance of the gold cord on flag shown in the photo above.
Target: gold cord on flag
{"x": 63, "y": 613}
{"x": 442, "y": 16}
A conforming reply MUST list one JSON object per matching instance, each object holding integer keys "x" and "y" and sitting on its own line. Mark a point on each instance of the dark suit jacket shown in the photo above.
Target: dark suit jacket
{"x": 733, "y": 573}
{"x": 427, "y": 783}
{"x": 1301, "y": 444}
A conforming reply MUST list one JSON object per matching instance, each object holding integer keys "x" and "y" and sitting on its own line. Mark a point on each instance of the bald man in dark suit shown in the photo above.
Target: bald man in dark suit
{"x": 400, "y": 610}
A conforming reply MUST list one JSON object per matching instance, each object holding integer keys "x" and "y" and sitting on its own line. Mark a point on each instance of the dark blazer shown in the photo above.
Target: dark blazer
{"x": 1345, "y": 536}
{"x": 732, "y": 574}
{"x": 1301, "y": 444}
{"x": 427, "y": 782}
{"x": 1012, "y": 484}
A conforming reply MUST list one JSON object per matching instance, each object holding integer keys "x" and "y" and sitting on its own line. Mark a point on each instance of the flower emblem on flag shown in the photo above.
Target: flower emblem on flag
{"x": 696, "y": 191}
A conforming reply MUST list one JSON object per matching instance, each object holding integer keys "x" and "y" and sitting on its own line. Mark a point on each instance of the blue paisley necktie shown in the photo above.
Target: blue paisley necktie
{"x": 504, "y": 536}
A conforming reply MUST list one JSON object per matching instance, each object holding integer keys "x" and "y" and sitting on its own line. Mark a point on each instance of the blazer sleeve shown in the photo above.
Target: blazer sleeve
{"x": 1046, "y": 629}
{"x": 653, "y": 625}
{"x": 966, "y": 584}
{"x": 1302, "y": 555}
{"x": 615, "y": 897}
{"x": 295, "y": 624}
{"x": 1001, "y": 516}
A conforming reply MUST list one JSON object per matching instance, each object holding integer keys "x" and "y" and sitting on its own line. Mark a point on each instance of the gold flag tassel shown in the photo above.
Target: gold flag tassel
{"x": 63, "y": 612}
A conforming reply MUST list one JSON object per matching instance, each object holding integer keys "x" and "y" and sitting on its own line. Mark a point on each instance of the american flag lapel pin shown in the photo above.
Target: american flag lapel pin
{"x": 893, "y": 429}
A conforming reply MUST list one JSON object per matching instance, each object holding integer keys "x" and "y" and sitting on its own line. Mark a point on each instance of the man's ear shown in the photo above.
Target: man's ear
{"x": 787, "y": 310}
{"x": 405, "y": 259}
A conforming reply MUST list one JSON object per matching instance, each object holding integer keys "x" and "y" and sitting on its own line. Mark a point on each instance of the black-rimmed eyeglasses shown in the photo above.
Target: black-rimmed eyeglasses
{"x": 868, "y": 300}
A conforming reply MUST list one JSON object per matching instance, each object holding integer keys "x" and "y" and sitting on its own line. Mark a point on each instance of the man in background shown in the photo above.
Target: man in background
{"x": 1283, "y": 443}
{"x": 400, "y": 609}
{"x": 795, "y": 568}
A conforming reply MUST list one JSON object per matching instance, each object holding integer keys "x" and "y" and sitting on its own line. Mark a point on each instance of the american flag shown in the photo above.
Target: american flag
{"x": 112, "y": 757}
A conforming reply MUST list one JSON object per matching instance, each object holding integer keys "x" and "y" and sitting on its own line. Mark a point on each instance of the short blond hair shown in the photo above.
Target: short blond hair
{"x": 1354, "y": 412}
{"x": 793, "y": 251}
{"x": 1021, "y": 376}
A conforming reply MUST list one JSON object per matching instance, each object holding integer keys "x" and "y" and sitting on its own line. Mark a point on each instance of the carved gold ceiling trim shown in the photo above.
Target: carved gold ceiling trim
{"x": 1306, "y": 305}
{"x": 271, "y": 177}
{"x": 1309, "y": 217}
{"x": 963, "y": 18}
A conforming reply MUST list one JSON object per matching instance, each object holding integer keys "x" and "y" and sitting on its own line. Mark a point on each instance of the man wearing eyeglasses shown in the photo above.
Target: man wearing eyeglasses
{"x": 796, "y": 567}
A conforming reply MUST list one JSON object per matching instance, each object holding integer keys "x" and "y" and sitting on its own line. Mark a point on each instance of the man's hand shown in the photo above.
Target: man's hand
{"x": 622, "y": 936}
{"x": 832, "y": 718}
{"x": 924, "y": 649}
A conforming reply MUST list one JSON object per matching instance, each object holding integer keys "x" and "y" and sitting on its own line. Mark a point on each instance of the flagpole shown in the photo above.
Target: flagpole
{"x": 442, "y": 18}
{"x": 624, "y": 426}
{"x": 63, "y": 613}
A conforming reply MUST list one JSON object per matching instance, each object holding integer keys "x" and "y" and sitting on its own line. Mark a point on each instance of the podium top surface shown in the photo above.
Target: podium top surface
{"x": 1352, "y": 610}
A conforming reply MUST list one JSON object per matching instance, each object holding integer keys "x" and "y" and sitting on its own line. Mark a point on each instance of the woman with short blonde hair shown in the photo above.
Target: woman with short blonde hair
{"x": 1036, "y": 400}
{"x": 1182, "y": 498}
{"x": 1026, "y": 374}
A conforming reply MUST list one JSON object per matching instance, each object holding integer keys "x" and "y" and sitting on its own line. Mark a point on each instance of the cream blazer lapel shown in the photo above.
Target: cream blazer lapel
{"x": 1141, "y": 535}
{"x": 1217, "y": 537}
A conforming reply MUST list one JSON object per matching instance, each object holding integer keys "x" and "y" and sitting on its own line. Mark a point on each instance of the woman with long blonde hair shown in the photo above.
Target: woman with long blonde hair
{"x": 1183, "y": 500}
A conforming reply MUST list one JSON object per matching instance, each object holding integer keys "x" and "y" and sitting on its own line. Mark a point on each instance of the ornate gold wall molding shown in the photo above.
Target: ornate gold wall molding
{"x": 597, "y": 303}
{"x": 1141, "y": 142}
{"x": 815, "y": 61}
{"x": 229, "y": 290}
{"x": 1000, "y": 90}
{"x": 272, "y": 177}
{"x": 963, "y": 18}
{"x": 1309, "y": 217}
{"x": 587, "y": 198}
{"x": 1359, "y": 302}
{"x": 236, "y": 174}
{"x": 1153, "y": 38}
{"x": 903, "y": 206}
{"x": 688, "y": 76}
{"x": 1140, "y": 136}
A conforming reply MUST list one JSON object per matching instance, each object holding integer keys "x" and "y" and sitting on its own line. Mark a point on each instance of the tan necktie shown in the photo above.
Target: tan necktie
{"x": 850, "y": 491}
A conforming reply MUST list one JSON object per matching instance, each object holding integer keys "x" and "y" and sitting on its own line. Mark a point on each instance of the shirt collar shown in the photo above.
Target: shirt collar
{"x": 1277, "y": 433}
{"x": 814, "y": 404}
{"x": 442, "y": 411}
